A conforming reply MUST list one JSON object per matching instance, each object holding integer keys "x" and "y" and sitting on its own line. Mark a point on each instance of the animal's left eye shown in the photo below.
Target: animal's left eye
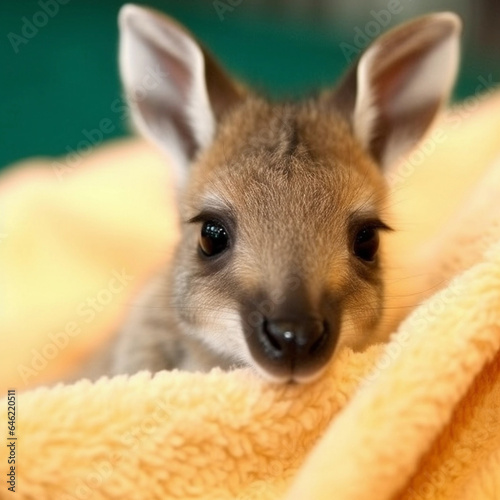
{"x": 366, "y": 243}
{"x": 213, "y": 238}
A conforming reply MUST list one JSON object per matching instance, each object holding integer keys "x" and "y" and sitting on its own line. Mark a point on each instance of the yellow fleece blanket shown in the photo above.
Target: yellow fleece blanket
{"x": 418, "y": 418}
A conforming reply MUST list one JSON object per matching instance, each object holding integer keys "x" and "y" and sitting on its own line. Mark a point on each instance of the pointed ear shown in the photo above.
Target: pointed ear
{"x": 397, "y": 87}
{"x": 175, "y": 91}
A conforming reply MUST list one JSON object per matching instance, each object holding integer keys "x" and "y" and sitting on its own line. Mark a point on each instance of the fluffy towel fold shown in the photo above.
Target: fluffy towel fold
{"x": 414, "y": 419}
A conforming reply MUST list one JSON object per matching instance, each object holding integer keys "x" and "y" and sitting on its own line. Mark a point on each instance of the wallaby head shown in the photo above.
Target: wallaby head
{"x": 282, "y": 203}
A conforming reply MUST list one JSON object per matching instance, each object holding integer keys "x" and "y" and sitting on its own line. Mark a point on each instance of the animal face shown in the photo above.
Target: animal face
{"x": 282, "y": 203}
{"x": 283, "y": 238}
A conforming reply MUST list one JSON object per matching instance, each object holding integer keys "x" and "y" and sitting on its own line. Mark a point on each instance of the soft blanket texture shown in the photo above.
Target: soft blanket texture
{"x": 415, "y": 419}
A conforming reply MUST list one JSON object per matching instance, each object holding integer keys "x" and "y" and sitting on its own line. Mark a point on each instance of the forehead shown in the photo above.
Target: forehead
{"x": 289, "y": 158}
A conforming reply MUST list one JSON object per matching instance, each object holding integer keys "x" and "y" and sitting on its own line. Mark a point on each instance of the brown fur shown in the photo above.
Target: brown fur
{"x": 292, "y": 183}
{"x": 293, "y": 177}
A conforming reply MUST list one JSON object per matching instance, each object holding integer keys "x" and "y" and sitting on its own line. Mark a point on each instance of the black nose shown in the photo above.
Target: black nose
{"x": 294, "y": 341}
{"x": 294, "y": 338}
{"x": 293, "y": 347}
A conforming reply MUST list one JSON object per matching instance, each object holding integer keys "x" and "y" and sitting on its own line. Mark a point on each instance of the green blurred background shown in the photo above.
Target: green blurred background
{"x": 60, "y": 80}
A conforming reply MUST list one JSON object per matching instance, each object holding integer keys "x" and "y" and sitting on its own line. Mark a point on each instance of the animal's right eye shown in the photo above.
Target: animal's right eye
{"x": 366, "y": 243}
{"x": 213, "y": 238}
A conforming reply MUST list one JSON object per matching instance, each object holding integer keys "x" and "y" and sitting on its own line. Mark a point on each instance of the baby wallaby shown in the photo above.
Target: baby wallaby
{"x": 281, "y": 203}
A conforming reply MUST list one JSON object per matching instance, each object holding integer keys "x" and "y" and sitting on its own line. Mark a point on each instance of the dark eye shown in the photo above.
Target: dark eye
{"x": 213, "y": 238}
{"x": 366, "y": 243}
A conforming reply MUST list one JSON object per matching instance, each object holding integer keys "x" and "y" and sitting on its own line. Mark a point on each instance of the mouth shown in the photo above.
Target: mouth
{"x": 287, "y": 379}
